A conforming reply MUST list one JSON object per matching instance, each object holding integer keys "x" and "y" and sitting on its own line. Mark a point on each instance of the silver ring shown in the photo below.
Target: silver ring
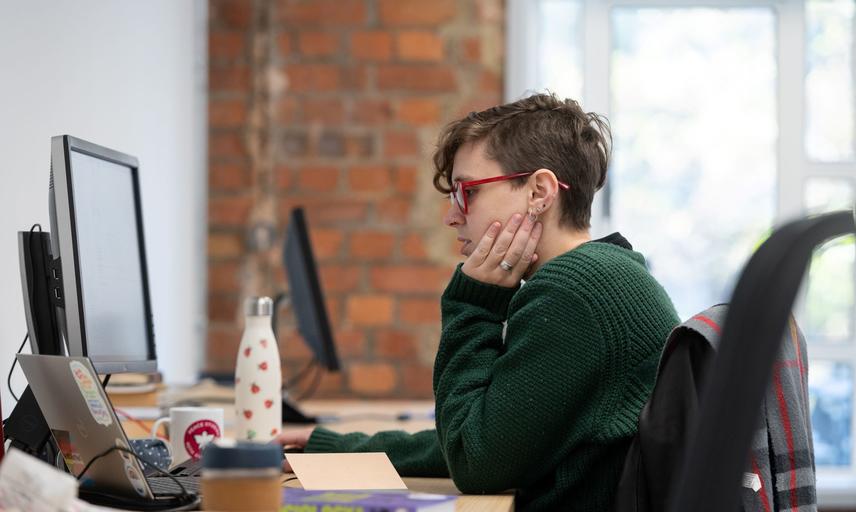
{"x": 506, "y": 265}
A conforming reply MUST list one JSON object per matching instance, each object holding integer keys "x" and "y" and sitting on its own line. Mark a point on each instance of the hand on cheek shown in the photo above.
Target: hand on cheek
{"x": 504, "y": 254}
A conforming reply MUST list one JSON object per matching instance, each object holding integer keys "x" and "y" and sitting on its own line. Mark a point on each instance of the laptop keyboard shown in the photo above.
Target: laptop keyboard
{"x": 165, "y": 486}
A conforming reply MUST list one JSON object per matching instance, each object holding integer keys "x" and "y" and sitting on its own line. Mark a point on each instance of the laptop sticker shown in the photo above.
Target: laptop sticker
{"x": 89, "y": 390}
{"x": 136, "y": 478}
{"x": 69, "y": 452}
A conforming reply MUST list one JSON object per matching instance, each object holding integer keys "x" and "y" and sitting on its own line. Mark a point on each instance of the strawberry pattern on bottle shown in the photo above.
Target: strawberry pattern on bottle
{"x": 258, "y": 393}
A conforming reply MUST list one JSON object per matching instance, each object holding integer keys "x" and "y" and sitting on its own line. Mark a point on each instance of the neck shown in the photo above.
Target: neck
{"x": 555, "y": 241}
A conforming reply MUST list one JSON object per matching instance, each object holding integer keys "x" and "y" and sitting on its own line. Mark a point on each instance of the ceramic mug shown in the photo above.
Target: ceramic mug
{"x": 190, "y": 429}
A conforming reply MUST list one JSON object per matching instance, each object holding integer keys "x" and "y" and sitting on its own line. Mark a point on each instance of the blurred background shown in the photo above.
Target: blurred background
{"x": 729, "y": 118}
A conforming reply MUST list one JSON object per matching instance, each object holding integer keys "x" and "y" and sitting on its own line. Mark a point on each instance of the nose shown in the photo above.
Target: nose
{"x": 454, "y": 217}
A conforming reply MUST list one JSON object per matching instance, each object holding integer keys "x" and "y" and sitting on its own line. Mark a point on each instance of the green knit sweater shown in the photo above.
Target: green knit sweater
{"x": 538, "y": 388}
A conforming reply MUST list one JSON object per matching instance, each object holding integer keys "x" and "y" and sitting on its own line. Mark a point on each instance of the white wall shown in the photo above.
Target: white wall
{"x": 130, "y": 76}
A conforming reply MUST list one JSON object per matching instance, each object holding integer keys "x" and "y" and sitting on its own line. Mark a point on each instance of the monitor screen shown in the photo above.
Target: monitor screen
{"x": 307, "y": 300}
{"x": 99, "y": 232}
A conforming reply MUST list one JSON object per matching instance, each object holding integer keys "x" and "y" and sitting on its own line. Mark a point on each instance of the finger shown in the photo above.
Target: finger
{"x": 515, "y": 249}
{"x": 483, "y": 248}
{"x": 528, "y": 256}
{"x": 505, "y": 239}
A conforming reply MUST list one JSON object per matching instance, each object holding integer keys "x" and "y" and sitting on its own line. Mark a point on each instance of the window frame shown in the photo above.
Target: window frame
{"x": 836, "y": 486}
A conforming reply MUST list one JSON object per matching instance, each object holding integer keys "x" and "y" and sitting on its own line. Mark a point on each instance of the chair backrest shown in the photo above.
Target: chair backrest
{"x": 715, "y": 455}
{"x": 781, "y": 445}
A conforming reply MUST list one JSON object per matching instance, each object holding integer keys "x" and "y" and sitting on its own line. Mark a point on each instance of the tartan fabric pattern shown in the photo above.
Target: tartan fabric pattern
{"x": 782, "y": 453}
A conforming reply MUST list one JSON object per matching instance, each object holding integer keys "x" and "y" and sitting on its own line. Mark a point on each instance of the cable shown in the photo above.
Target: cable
{"x": 299, "y": 375}
{"x": 316, "y": 379}
{"x": 12, "y": 368}
{"x": 184, "y": 491}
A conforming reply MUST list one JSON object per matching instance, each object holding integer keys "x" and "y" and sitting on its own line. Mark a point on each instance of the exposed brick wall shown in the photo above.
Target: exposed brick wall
{"x": 335, "y": 105}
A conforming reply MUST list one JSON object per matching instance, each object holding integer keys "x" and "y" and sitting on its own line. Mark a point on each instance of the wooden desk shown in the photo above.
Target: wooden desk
{"x": 374, "y": 416}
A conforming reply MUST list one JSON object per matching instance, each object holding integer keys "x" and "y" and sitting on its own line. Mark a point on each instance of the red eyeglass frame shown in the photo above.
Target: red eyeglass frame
{"x": 464, "y": 185}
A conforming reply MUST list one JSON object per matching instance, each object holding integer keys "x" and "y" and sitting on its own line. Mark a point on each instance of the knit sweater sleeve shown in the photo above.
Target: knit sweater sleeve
{"x": 501, "y": 404}
{"x": 412, "y": 454}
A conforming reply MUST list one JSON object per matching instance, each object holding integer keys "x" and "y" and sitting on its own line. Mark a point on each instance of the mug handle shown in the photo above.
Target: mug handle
{"x": 157, "y": 424}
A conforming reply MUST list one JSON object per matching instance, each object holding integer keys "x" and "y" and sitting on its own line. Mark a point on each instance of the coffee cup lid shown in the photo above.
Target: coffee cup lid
{"x": 241, "y": 454}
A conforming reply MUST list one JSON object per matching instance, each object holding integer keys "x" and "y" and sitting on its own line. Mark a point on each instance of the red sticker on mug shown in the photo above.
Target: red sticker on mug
{"x": 199, "y": 434}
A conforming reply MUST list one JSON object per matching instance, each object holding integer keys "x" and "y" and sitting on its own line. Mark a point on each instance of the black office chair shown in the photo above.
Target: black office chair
{"x": 715, "y": 455}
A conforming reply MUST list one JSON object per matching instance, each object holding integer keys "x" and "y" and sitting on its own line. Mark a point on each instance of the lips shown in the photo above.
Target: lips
{"x": 465, "y": 246}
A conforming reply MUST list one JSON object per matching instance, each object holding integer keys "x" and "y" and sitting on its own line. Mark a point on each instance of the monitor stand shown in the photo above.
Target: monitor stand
{"x": 292, "y": 414}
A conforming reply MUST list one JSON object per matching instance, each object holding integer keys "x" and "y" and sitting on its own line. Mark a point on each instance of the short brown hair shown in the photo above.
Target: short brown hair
{"x": 538, "y": 132}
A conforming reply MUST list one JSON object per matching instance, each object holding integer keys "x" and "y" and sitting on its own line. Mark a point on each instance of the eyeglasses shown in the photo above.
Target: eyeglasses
{"x": 458, "y": 195}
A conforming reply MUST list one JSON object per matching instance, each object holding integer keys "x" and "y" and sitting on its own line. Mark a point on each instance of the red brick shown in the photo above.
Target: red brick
{"x": 371, "y": 111}
{"x": 235, "y": 14}
{"x": 395, "y": 210}
{"x": 405, "y": 178}
{"x": 318, "y": 43}
{"x": 225, "y": 246}
{"x": 313, "y": 77}
{"x": 323, "y": 110}
{"x": 223, "y": 308}
{"x": 331, "y": 385}
{"x": 226, "y": 144}
{"x": 229, "y": 79}
{"x": 334, "y": 310}
{"x": 490, "y": 82}
{"x": 368, "y": 310}
{"x": 225, "y": 45}
{"x": 326, "y": 243}
{"x": 421, "y": 45}
{"x": 223, "y": 277}
{"x": 394, "y": 344}
{"x": 350, "y": 343}
{"x": 420, "y": 311}
{"x": 355, "y": 78}
{"x": 400, "y": 144}
{"x": 322, "y": 12}
{"x": 318, "y": 179}
{"x": 228, "y": 177}
{"x": 417, "y": 381}
{"x": 222, "y": 347}
{"x": 416, "y": 12}
{"x": 419, "y": 111}
{"x": 283, "y": 177}
{"x": 372, "y": 378}
{"x": 409, "y": 278}
{"x": 223, "y": 113}
{"x": 229, "y": 210}
{"x": 374, "y": 45}
{"x": 288, "y": 109}
{"x": 284, "y": 44}
{"x": 471, "y": 49}
{"x": 413, "y": 247}
{"x": 416, "y": 78}
{"x": 339, "y": 278}
{"x": 369, "y": 178}
{"x": 371, "y": 245}
{"x": 292, "y": 347}
{"x": 360, "y": 145}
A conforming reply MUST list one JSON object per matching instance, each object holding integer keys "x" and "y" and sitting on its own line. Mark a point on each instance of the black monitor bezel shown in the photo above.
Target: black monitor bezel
{"x": 325, "y": 352}
{"x": 75, "y": 330}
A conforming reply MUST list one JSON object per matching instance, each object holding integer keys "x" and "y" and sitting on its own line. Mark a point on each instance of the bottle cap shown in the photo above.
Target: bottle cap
{"x": 223, "y": 454}
{"x": 258, "y": 306}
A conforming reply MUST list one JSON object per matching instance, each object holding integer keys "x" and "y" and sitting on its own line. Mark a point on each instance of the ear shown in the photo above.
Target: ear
{"x": 543, "y": 190}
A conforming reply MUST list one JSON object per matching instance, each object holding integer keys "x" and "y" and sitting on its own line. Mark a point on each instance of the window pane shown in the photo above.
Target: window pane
{"x": 560, "y": 47}
{"x": 829, "y": 300}
{"x": 828, "y": 194}
{"x": 829, "y": 80}
{"x": 694, "y": 120}
{"x": 830, "y": 395}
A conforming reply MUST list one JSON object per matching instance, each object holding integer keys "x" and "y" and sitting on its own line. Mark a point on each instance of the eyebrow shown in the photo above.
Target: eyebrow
{"x": 463, "y": 178}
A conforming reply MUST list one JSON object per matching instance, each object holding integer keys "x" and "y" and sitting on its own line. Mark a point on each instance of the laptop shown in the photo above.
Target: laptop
{"x": 84, "y": 425}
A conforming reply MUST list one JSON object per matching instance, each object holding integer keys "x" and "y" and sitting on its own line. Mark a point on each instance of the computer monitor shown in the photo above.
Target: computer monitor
{"x": 97, "y": 234}
{"x": 306, "y": 297}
